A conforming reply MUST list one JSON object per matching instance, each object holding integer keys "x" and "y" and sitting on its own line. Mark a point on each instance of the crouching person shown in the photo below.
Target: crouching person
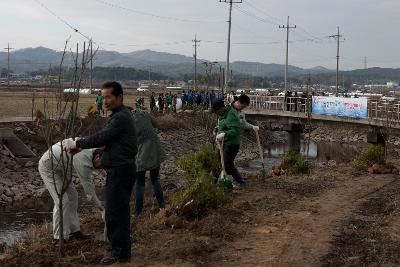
{"x": 149, "y": 157}
{"x": 51, "y": 170}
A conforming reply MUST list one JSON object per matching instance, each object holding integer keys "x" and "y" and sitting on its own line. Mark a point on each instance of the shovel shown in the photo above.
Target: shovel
{"x": 224, "y": 180}
{"x": 261, "y": 152}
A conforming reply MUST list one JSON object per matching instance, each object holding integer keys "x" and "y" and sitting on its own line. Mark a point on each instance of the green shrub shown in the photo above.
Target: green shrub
{"x": 294, "y": 163}
{"x": 201, "y": 188}
{"x": 372, "y": 154}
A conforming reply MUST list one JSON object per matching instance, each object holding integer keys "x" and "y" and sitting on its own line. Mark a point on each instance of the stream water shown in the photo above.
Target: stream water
{"x": 318, "y": 152}
{"x": 16, "y": 218}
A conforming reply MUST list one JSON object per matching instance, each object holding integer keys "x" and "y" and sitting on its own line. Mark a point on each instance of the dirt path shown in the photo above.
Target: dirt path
{"x": 301, "y": 235}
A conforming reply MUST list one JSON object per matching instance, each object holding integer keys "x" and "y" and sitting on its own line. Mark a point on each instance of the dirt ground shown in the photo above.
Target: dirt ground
{"x": 334, "y": 217}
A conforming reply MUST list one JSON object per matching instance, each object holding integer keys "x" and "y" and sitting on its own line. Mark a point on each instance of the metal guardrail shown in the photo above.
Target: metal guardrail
{"x": 280, "y": 103}
{"x": 377, "y": 109}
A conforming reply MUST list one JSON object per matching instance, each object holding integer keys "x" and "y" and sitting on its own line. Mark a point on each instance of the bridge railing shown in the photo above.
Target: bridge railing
{"x": 280, "y": 103}
{"x": 384, "y": 109}
{"x": 377, "y": 109}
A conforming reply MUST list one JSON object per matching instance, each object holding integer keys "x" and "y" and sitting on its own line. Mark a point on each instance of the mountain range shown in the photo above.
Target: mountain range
{"x": 171, "y": 65}
{"x": 174, "y": 65}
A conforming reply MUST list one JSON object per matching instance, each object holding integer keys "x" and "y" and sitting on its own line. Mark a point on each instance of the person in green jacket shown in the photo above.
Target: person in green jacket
{"x": 229, "y": 131}
{"x": 149, "y": 157}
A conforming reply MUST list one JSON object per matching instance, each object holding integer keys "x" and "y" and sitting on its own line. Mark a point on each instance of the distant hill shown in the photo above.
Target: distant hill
{"x": 174, "y": 65}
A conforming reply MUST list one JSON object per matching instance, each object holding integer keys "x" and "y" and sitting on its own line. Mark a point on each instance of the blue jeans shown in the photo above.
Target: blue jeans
{"x": 119, "y": 185}
{"x": 139, "y": 189}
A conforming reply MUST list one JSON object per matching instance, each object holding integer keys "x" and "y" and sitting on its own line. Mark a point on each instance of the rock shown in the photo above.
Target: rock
{"x": 31, "y": 132}
{"x": 174, "y": 221}
{"x": 18, "y": 129}
{"x": 6, "y": 198}
{"x": 9, "y": 193}
{"x": 332, "y": 163}
{"x": 2, "y": 190}
{"x": 5, "y": 152}
{"x": 18, "y": 197}
{"x": 41, "y": 192}
{"x": 30, "y": 164}
{"x": 16, "y": 190}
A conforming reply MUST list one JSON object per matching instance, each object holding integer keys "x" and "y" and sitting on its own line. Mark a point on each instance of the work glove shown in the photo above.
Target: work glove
{"x": 215, "y": 131}
{"x": 69, "y": 144}
{"x": 256, "y": 128}
{"x": 220, "y": 137}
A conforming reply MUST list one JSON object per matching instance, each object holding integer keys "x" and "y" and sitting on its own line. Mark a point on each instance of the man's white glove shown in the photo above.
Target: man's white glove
{"x": 69, "y": 144}
{"x": 220, "y": 137}
{"x": 256, "y": 128}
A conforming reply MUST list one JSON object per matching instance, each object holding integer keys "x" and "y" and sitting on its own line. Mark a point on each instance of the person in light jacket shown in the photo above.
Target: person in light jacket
{"x": 51, "y": 170}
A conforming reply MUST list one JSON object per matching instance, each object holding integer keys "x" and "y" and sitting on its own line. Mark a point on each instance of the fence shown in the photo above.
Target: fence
{"x": 382, "y": 109}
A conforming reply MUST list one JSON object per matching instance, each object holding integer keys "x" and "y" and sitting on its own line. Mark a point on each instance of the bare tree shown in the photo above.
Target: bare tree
{"x": 63, "y": 121}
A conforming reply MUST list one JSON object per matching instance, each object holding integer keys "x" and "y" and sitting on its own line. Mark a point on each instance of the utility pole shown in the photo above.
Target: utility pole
{"x": 227, "y": 76}
{"x": 149, "y": 74}
{"x": 195, "y": 41}
{"x": 91, "y": 65}
{"x": 8, "y": 48}
{"x": 287, "y": 27}
{"x": 365, "y": 63}
{"x": 337, "y": 37}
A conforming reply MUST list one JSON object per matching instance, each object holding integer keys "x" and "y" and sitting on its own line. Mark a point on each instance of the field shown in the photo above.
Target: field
{"x": 19, "y": 103}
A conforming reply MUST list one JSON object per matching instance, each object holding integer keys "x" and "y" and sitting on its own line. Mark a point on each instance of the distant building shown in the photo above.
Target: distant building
{"x": 391, "y": 85}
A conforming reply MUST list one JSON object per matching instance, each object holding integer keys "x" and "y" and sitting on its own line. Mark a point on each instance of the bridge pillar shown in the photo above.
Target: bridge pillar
{"x": 376, "y": 137}
{"x": 294, "y": 131}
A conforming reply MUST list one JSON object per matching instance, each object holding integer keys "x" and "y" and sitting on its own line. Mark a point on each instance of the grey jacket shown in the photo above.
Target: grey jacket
{"x": 150, "y": 151}
{"x": 243, "y": 122}
{"x": 118, "y": 138}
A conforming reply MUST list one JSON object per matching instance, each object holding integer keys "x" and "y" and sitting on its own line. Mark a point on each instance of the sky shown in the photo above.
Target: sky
{"x": 369, "y": 28}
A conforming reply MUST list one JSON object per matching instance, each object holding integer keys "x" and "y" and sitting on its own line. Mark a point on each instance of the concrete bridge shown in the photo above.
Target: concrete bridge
{"x": 294, "y": 113}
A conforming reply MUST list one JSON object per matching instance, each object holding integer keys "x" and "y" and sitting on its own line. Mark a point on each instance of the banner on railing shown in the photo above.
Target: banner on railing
{"x": 340, "y": 106}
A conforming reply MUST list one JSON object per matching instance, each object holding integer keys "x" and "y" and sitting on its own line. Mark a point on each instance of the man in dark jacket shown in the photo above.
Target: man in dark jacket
{"x": 119, "y": 140}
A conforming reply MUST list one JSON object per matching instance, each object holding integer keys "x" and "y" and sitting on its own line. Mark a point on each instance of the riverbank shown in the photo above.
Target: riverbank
{"x": 299, "y": 220}
{"x": 180, "y": 134}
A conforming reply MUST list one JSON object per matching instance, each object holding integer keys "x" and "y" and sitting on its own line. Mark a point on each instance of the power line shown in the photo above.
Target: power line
{"x": 155, "y": 15}
{"x": 277, "y": 21}
{"x": 254, "y": 16}
{"x": 61, "y": 19}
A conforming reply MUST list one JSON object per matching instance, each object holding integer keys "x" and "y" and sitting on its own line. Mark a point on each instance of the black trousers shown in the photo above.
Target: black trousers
{"x": 230, "y": 153}
{"x": 119, "y": 184}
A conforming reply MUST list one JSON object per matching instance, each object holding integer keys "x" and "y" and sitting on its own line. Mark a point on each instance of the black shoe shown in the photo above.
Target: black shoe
{"x": 78, "y": 236}
{"x": 56, "y": 242}
{"x": 109, "y": 259}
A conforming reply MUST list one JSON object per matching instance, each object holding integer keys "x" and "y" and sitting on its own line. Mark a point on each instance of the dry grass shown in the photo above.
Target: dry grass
{"x": 19, "y": 104}
{"x": 171, "y": 122}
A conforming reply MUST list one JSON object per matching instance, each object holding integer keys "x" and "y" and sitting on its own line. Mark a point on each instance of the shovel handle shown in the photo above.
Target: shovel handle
{"x": 221, "y": 154}
{"x": 259, "y": 146}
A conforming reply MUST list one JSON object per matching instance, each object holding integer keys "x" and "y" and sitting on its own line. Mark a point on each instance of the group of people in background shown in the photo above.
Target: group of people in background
{"x": 166, "y": 103}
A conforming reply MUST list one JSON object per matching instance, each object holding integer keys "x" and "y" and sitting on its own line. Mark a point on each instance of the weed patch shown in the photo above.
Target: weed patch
{"x": 373, "y": 154}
